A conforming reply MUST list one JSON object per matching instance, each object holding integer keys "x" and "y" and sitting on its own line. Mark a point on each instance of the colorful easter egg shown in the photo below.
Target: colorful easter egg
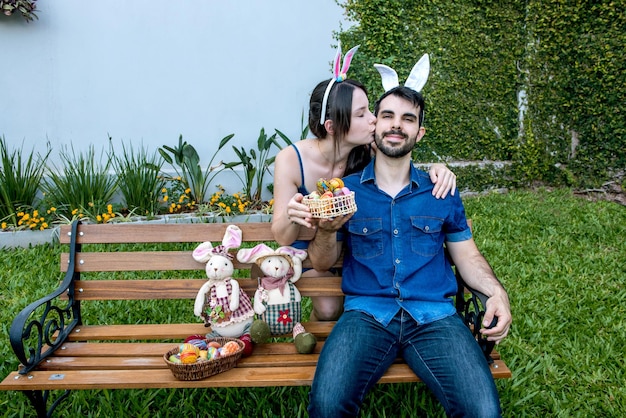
{"x": 212, "y": 353}
{"x": 335, "y": 183}
{"x": 188, "y": 357}
{"x": 201, "y": 344}
{"x": 229, "y": 348}
{"x": 214, "y": 344}
{"x": 188, "y": 347}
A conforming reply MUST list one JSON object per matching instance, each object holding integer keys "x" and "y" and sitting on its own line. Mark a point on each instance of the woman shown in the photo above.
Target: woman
{"x": 342, "y": 146}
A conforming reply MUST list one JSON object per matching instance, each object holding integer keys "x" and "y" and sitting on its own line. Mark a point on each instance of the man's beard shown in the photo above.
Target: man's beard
{"x": 398, "y": 151}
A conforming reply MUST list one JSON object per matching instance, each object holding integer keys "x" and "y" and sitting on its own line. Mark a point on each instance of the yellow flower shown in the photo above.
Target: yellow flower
{"x": 110, "y": 208}
{"x": 228, "y": 209}
{"x": 187, "y": 190}
{"x": 90, "y": 204}
{"x": 99, "y": 218}
{"x": 4, "y": 225}
{"x": 165, "y": 198}
{"x": 164, "y": 190}
{"x": 35, "y": 213}
{"x": 74, "y": 212}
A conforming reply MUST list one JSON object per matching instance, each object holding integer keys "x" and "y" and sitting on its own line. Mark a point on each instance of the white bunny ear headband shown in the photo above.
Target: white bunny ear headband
{"x": 415, "y": 81}
{"x": 339, "y": 75}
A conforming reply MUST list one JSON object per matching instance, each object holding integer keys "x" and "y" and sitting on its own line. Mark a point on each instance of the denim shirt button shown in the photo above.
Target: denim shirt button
{"x": 397, "y": 261}
{"x": 365, "y": 230}
{"x": 426, "y": 228}
{"x": 395, "y": 232}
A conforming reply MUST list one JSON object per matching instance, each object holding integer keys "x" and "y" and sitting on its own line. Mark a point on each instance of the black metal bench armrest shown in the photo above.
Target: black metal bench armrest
{"x": 472, "y": 310}
{"x": 41, "y": 327}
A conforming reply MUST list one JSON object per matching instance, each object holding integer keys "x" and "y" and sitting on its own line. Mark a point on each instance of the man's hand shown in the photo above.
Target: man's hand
{"x": 497, "y": 306}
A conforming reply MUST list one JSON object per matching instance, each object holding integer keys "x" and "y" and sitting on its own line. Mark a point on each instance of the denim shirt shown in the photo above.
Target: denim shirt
{"x": 394, "y": 256}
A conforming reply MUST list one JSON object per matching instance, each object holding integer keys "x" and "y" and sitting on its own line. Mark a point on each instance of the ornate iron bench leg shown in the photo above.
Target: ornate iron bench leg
{"x": 39, "y": 400}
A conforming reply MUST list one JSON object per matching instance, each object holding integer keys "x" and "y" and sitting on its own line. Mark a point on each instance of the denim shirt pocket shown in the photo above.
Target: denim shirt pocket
{"x": 425, "y": 235}
{"x": 367, "y": 237}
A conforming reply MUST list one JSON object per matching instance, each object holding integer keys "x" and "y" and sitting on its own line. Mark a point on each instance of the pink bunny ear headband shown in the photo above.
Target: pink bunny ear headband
{"x": 416, "y": 80}
{"x": 339, "y": 75}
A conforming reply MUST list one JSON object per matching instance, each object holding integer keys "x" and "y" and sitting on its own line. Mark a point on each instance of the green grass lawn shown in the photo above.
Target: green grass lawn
{"x": 562, "y": 259}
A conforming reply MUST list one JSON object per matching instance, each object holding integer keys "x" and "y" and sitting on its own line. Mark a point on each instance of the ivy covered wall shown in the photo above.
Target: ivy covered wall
{"x": 538, "y": 83}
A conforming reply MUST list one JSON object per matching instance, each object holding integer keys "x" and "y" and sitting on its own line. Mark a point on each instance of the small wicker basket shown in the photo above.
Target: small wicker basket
{"x": 331, "y": 207}
{"x": 203, "y": 369}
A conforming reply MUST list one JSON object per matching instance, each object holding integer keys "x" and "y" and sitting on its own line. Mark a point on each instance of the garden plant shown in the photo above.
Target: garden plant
{"x": 112, "y": 187}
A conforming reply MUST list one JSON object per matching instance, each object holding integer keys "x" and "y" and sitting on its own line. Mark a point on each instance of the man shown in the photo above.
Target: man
{"x": 398, "y": 283}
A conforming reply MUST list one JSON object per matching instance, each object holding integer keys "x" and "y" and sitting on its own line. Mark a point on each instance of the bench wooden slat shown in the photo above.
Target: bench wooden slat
{"x": 274, "y": 349}
{"x": 90, "y": 349}
{"x": 144, "y": 261}
{"x": 186, "y": 288}
{"x": 132, "y": 233}
{"x": 163, "y": 378}
{"x": 165, "y": 331}
{"x": 156, "y": 362}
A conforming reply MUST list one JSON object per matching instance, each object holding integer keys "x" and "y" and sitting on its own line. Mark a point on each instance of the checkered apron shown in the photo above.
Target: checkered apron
{"x": 283, "y": 316}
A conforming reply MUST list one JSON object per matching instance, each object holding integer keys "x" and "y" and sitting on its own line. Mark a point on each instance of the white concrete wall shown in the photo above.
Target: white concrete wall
{"x": 145, "y": 71}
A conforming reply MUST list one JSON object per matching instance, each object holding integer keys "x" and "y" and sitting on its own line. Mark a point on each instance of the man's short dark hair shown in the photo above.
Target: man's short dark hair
{"x": 405, "y": 93}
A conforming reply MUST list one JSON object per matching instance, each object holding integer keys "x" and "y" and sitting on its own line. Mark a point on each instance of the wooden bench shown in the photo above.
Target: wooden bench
{"x": 63, "y": 342}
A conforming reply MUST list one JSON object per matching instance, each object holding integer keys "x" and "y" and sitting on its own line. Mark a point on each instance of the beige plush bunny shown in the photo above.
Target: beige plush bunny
{"x": 277, "y": 301}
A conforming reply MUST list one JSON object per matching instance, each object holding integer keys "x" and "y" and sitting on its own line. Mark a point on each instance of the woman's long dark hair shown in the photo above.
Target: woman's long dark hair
{"x": 338, "y": 110}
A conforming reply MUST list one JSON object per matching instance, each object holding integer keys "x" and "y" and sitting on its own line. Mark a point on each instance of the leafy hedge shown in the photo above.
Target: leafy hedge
{"x": 510, "y": 80}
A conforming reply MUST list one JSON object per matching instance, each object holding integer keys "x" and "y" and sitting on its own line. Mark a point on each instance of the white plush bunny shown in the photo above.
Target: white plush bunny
{"x": 277, "y": 300}
{"x": 220, "y": 301}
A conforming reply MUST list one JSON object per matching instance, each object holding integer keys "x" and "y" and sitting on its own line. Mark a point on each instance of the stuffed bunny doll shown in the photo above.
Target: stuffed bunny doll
{"x": 220, "y": 301}
{"x": 277, "y": 300}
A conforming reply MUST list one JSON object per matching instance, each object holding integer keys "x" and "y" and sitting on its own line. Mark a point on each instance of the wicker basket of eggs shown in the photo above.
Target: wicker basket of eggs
{"x": 331, "y": 199}
{"x": 197, "y": 359}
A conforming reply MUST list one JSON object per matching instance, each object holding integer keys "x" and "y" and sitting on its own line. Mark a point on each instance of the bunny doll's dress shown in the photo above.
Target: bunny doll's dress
{"x": 242, "y": 313}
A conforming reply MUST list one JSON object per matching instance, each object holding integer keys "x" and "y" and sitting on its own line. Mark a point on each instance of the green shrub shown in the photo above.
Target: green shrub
{"x": 82, "y": 186}
{"x": 500, "y": 67}
{"x": 139, "y": 180}
{"x": 20, "y": 177}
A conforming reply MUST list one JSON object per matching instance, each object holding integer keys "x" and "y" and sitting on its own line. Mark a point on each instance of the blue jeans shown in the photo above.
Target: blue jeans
{"x": 443, "y": 354}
